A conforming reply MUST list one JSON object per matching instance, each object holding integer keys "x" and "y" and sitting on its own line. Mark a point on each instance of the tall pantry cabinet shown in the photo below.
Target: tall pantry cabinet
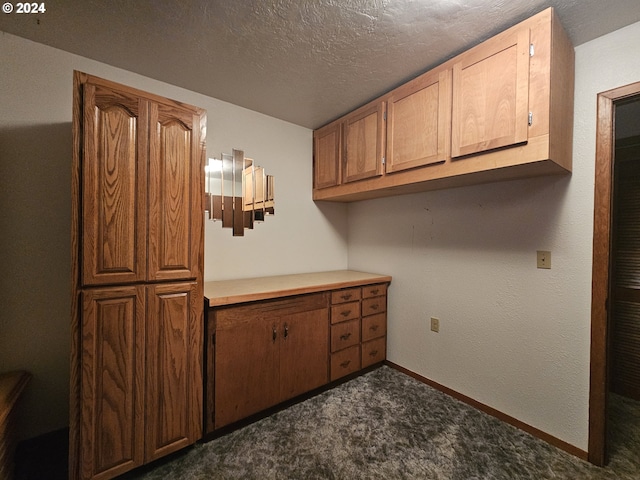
{"x": 137, "y": 266}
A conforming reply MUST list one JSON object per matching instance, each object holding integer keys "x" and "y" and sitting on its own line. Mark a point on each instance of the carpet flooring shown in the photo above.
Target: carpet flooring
{"x": 387, "y": 425}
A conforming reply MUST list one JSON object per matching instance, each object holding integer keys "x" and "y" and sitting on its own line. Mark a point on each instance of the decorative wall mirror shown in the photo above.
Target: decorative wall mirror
{"x": 237, "y": 192}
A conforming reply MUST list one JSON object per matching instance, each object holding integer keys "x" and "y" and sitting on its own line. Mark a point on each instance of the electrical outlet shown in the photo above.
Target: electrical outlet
{"x": 435, "y": 324}
{"x": 544, "y": 259}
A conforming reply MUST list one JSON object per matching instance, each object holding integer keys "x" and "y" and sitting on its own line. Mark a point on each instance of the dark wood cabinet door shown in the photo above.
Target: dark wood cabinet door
{"x": 112, "y": 418}
{"x": 114, "y": 178}
{"x": 176, "y": 169}
{"x": 304, "y": 352}
{"x": 246, "y": 366}
{"x": 173, "y": 368}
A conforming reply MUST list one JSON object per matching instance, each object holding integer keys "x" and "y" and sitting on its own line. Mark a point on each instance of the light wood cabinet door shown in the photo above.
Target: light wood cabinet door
{"x": 419, "y": 122}
{"x": 491, "y": 95}
{"x": 304, "y": 352}
{"x": 364, "y": 142}
{"x": 175, "y": 205}
{"x": 114, "y": 178}
{"x": 173, "y": 368}
{"x": 112, "y": 409}
{"x": 327, "y": 155}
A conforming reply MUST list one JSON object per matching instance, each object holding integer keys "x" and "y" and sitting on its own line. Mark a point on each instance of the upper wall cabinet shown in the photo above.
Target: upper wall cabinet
{"x": 327, "y": 155}
{"x": 419, "y": 122}
{"x": 491, "y": 95}
{"x": 364, "y": 142}
{"x": 501, "y": 110}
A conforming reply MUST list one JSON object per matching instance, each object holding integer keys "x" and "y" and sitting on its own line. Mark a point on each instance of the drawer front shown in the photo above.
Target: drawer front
{"x": 345, "y": 334}
{"x": 374, "y": 351}
{"x": 345, "y": 362}
{"x": 344, "y": 312}
{"x": 374, "y": 326}
{"x": 371, "y": 306}
{"x": 346, "y": 295}
{"x": 376, "y": 290}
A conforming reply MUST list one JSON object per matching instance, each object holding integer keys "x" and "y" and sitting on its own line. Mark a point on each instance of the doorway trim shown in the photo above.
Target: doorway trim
{"x": 605, "y": 142}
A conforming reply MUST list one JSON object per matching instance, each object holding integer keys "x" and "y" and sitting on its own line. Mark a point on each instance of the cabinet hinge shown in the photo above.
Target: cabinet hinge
{"x": 530, "y": 118}
{"x": 384, "y": 160}
{"x": 384, "y": 116}
{"x": 531, "y": 50}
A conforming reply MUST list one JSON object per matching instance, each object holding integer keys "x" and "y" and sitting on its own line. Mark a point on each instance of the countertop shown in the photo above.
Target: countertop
{"x": 229, "y": 292}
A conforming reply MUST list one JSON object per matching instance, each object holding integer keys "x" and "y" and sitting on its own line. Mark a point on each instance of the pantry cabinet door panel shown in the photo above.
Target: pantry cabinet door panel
{"x": 175, "y": 203}
{"x": 174, "y": 378}
{"x": 491, "y": 95}
{"x": 112, "y": 418}
{"x": 114, "y": 176}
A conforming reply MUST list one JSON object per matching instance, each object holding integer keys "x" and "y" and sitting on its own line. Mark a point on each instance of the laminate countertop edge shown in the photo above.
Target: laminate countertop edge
{"x": 230, "y": 292}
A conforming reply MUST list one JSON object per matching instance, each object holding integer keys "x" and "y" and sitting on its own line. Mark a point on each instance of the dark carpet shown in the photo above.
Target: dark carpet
{"x": 387, "y": 425}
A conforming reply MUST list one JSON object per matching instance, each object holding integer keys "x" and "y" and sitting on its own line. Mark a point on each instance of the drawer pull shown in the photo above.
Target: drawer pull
{"x": 345, "y": 364}
{"x": 373, "y": 327}
{"x": 345, "y": 313}
{"x": 375, "y": 291}
{"x": 373, "y": 353}
{"x": 346, "y": 296}
{"x": 345, "y": 336}
{"x": 374, "y": 306}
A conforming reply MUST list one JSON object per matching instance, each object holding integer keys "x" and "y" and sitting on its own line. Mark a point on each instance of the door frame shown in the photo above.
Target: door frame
{"x": 605, "y": 143}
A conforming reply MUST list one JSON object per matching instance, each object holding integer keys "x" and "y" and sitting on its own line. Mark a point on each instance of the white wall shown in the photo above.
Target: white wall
{"x": 512, "y": 336}
{"x": 35, "y": 206}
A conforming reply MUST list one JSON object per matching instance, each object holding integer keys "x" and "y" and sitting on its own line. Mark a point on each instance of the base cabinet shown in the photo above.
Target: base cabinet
{"x": 266, "y": 353}
{"x": 261, "y": 352}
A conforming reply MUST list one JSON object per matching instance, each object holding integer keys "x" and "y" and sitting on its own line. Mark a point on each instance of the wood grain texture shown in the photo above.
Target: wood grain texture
{"x": 112, "y": 406}
{"x": 229, "y": 292}
{"x": 364, "y": 142}
{"x": 327, "y": 155}
{"x": 419, "y": 122}
{"x": 12, "y": 385}
{"x": 114, "y": 179}
{"x": 173, "y": 363}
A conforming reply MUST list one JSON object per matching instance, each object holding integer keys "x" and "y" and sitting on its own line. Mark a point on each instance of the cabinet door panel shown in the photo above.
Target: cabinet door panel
{"x": 491, "y": 95}
{"x": 175, "y": 205}
{"x": 419, "y": 122}
{"x": 112, "y": 437}
{"x": 174, "y": 379}
{"x": 246, "y": 367}
{"x": 304, "y": 352}
{"x": 114, "y": 169}
{"x": 364, "y": 143}
{"x": 327, "y": 155}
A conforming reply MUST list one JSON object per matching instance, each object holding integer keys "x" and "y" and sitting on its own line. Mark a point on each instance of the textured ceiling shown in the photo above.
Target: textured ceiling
{"x": 306, "y": 62}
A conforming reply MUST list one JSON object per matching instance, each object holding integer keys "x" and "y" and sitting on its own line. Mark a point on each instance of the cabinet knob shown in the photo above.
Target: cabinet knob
{"x": 286, "y": 330}
{"x": 275, "y": 333}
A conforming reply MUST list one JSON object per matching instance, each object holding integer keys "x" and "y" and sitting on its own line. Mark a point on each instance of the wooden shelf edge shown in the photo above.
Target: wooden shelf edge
{"x": 11, "y": 386}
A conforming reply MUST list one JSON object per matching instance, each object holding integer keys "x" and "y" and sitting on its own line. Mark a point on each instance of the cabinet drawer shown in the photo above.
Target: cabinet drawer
{"x": 374, "y": 290}
{"x": 345, "y": 334}
{"x": 344, "y": 312}
{"x": 346, "y": 295}
{"x": 374, "y": 326}
{"x": 374, "y": 305}
{"x": 345, "y": 362}
{"x": 374, "y": 351}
